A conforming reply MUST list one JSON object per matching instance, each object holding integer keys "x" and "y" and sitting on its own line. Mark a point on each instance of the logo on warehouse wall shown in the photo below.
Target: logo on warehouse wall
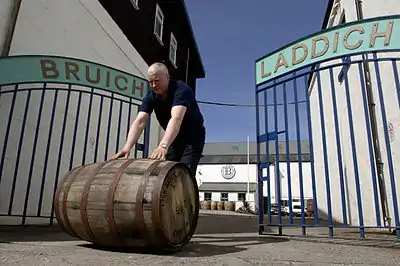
{"x": 228, "y": 171}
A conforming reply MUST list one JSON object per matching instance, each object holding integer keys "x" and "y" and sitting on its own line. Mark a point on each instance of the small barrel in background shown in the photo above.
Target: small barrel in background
{"x": 229, "y": 206}
{"x": 129, "y": 203}
{"x": 220, "y": 205}
{"x": 213, "y": 205}
{"x": 310, "y": 208}
{"x": 207, "y": 205}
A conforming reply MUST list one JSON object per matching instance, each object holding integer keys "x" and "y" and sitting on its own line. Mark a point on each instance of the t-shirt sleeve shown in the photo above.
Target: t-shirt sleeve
{"x": 147, "y": 104}
{"x": 183, "y": 96}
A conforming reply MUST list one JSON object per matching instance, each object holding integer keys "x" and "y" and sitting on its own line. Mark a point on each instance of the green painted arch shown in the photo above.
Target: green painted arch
{"x": 369, "y": 35}
{"x": 57, "y": 69}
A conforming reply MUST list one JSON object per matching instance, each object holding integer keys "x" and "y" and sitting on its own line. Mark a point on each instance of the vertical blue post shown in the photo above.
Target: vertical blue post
{"x": 96, "y": 149}
{"x": 60, "y": 149}
{"x": 396, "y": 79}
{"x": 78, "y": 109}
{"x": 109, "y": 126}
{"x": 21, "y": 140}
{"x": 310, "y": 141}
{"x": 146, "y": 139}
{"x": 34, "y": 148}
{"x": 46, "y": 157}
{"x": 388, "y": 148}
{"x": 324, "y": 147}
{"x": 370, "y": 146}
{"x": 119, "y": 126}
{"x": 338, "y": 147}
{"x": 277, "y": 172}
{"x": 267, "y": 158}
{"x": 299, "y": 153}
{"x": 259, "y": 171}
{"x": 289, "y": 178}
{"x": 354, "y": 152}
{"x": 10, "y": 115}
{"x": 87, "y": 126}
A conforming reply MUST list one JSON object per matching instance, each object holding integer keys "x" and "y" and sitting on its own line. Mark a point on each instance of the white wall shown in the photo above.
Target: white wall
{"x": 212, "y": 173}
{"x": 371, "y": 8}
{"x": 76, "y": 28}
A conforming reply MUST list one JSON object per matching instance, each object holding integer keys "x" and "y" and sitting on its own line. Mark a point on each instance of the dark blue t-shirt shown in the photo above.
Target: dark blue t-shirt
{"x": 179, "y": 93}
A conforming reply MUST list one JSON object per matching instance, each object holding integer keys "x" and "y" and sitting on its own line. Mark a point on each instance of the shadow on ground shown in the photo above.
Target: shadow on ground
{"x": 207, "y": 224}
{"x": 33, "y": 233}
{"x": 204, "y": 247}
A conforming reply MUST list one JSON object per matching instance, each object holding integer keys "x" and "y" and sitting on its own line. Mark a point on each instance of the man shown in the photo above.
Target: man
{"x": 179, "y": 115}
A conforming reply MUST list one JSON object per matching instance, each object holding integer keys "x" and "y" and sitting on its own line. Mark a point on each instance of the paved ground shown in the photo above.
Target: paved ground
{"x": 221, "y": 239}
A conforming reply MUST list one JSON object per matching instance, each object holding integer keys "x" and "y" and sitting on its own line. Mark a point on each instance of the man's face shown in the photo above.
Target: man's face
{"x": 158, "y": 82}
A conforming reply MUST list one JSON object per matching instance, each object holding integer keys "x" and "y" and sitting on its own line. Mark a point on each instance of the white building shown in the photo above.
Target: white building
{"x": 83, "y": 34}
{"x": 343, "y": 12}
{"x": 225, "y": 175}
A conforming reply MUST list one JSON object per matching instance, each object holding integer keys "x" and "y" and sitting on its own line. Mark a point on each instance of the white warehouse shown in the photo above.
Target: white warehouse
{"x": 226, "y": 174}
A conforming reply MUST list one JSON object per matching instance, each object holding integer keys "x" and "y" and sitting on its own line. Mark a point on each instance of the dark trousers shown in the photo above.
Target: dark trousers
{"x": 186, "y": 152}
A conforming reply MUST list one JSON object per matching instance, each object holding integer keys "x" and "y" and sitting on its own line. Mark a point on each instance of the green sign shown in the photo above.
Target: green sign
{"x": 38, "y": 69}
{"x": 369, "y": 35}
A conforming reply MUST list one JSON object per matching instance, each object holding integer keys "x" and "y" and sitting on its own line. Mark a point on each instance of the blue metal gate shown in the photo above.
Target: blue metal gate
{"x": 58, "y": 113}
{"x": 328, "y": 107}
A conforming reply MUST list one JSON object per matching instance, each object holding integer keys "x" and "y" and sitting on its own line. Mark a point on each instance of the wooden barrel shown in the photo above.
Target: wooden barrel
{"x": 213, "y": 205}
{"x": 310, "y": 208}
{"x": 229, "y": 205}
{"x": 129, "y": 203}
{"x": 207, "y": 205}
{"x": 220, "y": 205}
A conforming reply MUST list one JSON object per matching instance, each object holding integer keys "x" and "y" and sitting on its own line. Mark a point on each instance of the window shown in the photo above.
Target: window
{"x": 173, "y": 47}
{"x": 207, "y": 196}
{"x": 241, "y": 196}
{"x": 158, "y": 24}
{"x": 224, "y": 196}
{"x": 135, "y": 4}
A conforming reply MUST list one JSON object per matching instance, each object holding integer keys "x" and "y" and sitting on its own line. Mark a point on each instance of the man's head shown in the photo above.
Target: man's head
{"x": 158, "y": 77}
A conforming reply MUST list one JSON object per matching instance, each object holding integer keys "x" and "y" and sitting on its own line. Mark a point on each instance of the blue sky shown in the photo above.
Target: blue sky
{"x": 231, "y": 35}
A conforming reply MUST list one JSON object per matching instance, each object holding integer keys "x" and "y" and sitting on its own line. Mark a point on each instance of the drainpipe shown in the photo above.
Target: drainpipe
{"x": 187, "y": 66}
{"x": 374, "y": 128}
{"x": 11, "y": 28}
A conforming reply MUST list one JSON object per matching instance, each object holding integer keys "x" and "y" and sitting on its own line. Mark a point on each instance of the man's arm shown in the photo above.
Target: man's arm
{"x": 136, "y": 130}
{"x": 174, "y": 124}
{"x": 182, "y": 100}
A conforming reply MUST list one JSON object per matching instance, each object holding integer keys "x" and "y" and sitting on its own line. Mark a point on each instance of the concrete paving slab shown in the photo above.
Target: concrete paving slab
{"x": 220, "y": 239}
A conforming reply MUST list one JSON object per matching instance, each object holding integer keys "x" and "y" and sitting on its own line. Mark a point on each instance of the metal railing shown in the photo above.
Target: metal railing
{"x": 344, "y": 187}
{"x": 347, "y": 106}
{"x": 53, "y": 125}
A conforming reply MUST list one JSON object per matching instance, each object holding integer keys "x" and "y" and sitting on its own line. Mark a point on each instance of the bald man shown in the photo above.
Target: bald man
{"x": 179, "y": 115}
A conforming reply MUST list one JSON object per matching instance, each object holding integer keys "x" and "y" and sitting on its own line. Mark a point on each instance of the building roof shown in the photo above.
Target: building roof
{"x": 236, "y": 152}
{"x": 242, "y": 159}
{"x": 240, "y": 148}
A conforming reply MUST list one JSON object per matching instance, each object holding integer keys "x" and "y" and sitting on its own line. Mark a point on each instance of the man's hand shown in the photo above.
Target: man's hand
{"x": 159, "y": 153}
{"x": 120, "y": 154}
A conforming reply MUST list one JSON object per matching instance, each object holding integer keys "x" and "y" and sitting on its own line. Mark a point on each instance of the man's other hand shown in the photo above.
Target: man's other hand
{"x": 120, "y": 154}
{"x": 159, "y": 153}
